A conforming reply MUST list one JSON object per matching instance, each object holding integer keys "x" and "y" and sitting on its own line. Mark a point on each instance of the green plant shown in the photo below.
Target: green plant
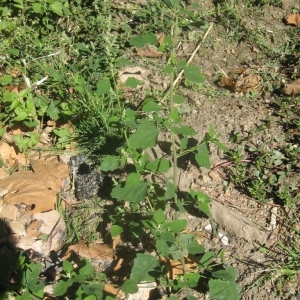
{"x": 19, "y": 277}
{"x": 150, "y": 190}
{"x": 80, "y": 282}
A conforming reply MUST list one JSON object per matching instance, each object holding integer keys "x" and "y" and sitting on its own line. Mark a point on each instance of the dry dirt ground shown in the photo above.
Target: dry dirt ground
{"x": 243, "y": 220}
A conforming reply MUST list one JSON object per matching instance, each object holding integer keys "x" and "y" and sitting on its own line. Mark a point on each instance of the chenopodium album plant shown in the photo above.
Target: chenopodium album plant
{"x": 149, "y": 193}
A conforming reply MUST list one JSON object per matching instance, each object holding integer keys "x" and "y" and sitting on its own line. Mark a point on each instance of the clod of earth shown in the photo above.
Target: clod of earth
{"x": 292, "y": 88}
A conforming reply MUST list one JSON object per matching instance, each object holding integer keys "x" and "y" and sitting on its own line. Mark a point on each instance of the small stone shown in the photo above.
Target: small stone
{"x": 18, "y": 227}
{"x": 215, "y": 176}
{"x": 9, "y": 212}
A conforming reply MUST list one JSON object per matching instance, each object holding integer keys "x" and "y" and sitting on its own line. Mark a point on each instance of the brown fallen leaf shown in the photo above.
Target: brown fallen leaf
{"x": 293, "y": 19}
{"x": 174, "y": 267}
{"x": 100, "y": 255}
{"x": 33, "y": 229}
{"x": 241, "y": 81}
{"x": 149, "y": 51}
{"x": 37, "y": 189}
{"x": 292, "y": 88}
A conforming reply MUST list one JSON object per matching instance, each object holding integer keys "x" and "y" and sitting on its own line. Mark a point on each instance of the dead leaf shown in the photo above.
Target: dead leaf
{"x": 91, "y": 252}
{"x": 9, "y": 155}
{"x": 160, "y": 39}
{"x": 37, "y": 189}
{"x": 174, "y": 267}
{"x": 292, "y": 88}
{"x": 149, "y": 51}
{"x": 108, "y": 288}
{"x": 293, "y": 19}
{"x": 241, "y": 81}
{"x": 33, "y": 229}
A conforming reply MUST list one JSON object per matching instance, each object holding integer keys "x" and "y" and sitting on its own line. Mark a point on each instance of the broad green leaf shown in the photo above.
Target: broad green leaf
{"x": 171, "y": 190}
{"x": 159, "y": 216}
{"x": 103, "y": 86}
{"x": 142, "y": 40}
{"x": 206, "y": 258}
{"x": 133, "y": 82}
{"x": 177, "y": 226}
{"x": 191, "y": 73}
{"x": 57, "y": 7}
{"x": 184, "y": 130}
{"x": 184, "y": 142}
{"x": 151, "y": 106}
{"x": 162, "y": 248}
{"x": 168, "y": 69}
{"x": 116, "y": 230}
{"x": 192, "y": 279}
{"x": 53, "y": 111}
{"x": 202, "y": 157}
{"x": 223, "y": 290}
{"x": 37, "y": 7}
{"x": 145, "y": 136}
{"x": 133, "y": 194}
{"x": 6, "y": 79}
{"x": 174, "y": 115}
{"x": 86, "y": 269}
{"x": 62, "y": 287}
{"x": 14, "y": 51}
{"x": 178, "y": 99}
{"x": 130, "y": 287}
{"x": 142, "y": 266}
{"x": 164, "y": 165}
{"x": 109, "y": 163}
{"x": 229, "y": 274}
{"x": 189, "y": 242}
{"x": 158, "y": 165}
{"x": 94, "y": 290}
{"x": 67, "y": 266}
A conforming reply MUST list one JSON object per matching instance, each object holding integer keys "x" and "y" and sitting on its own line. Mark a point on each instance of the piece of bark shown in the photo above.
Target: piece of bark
{"x": 236, "y": 223}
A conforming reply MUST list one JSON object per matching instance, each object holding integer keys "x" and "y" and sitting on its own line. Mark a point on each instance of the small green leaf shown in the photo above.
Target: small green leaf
{"x": 6, "y": 79}
{"x": 206, "y": 258}
{"x": 202, "y": 157}
{"x": 229, "y": 274}
{"x": 116, "y": 230}
{"x": 87, "y": 268}
{"x": 184, "y": 130}
{"x": 177, "y": 226}
{"x": 151, "y": 106}
{"x": 62, "y": 287}
{"x": 162, "y": 248}
{"x": 223, "y": 290}
{"x": 133, "y": 194}
{"x": 159, "y": 216}
{"x": 142, "y": 40}
{"x": 142, "y": 266}
{"x": 171, "y": 190}
{"x": 37, "y": 7}
{"x": 191, "y": 73}
{"x": 103, "y": 86}
{"x": 44, "y": 237}
{"x": 2, "y": 131}
{"x": 178, "y": 99}
{"x": 57, "y": 7}
{"x": 168, "y": 69}
{"x": 67, "y": 266}
{"x": 130, "y": 287}
{"x": 109, "y": 163}
{"x": 145, "y": 136}
{"x": 133, "y": 82}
